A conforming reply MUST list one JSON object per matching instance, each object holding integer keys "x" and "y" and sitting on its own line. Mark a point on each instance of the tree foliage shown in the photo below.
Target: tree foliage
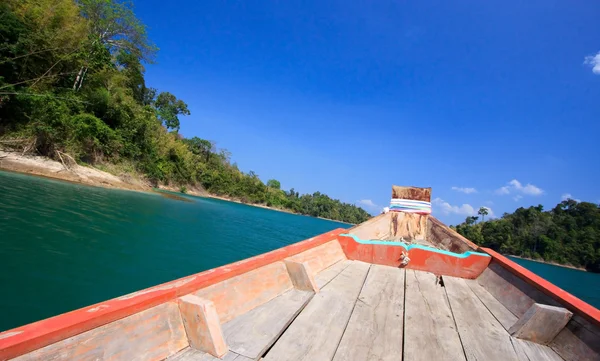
{"x": 567, "y": 234}
{"x": 40, "y": 42}
{"x": 273, "y": 183}
{"x": 483, "y": 212}
{"x": 113, "y": 24}
{"x": 168, "y": 109}
{"x": 72, "y": 81}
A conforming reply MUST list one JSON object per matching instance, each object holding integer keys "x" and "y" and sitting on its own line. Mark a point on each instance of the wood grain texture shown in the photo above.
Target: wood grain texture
{"x": 301, "y": 275}
{"x": 408, "y": 227}
{"x": 189, "y": 354}
{"x": 255, "y": 331}
{"x": 413, "y": 193}
{"x": 531, "y": 351}
{"x": 321, "y": 257}
{"x": 502, "y": 314}
{"x": 482, "y": 336}
{"x": 153, "y": 334}
{"x": 328, "y": 274}
{"x": 430, "y": 332}
{"x": 578, "y": 341}
{"x": 377, "y": 227}
{"x": 316, "y": 332}
{"x": 374, "y": 331}
{"x": 514, "y": 293}
{"x": 202, "y": 325}
{"x": 242, "y": 293}
{"x": 566, "y": 300}
{"x": 541, "y": 323}
{"x": 446, "y": 238}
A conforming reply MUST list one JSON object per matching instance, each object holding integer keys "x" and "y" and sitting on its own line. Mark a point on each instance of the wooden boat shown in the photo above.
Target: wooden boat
{"x": 401, "y": 286}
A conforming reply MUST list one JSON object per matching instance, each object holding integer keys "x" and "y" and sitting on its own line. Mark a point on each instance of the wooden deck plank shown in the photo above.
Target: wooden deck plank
{"x": 190, "y": 354}
{"x": 429, "y": 329}
{"x": 578, "y": 341}
{"x": 328, "y": 274}
{"x": 531, "y": 351}
{"x": 482, "y": 336}
{"x": 502, "y": 314}
{"x": 374, "y": 331}
{"x": 316, "y": 332}
{"x": 252, "y": 333}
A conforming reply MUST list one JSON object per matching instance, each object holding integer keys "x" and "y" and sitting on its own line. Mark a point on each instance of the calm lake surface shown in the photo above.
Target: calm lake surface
{"x": 585, "y": 285}
{"x": 66, "y": 246}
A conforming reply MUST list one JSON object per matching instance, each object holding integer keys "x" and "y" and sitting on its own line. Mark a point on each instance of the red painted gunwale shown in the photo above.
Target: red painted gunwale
{"x": 33, "y": 336}
{"x": 569, "y": 301}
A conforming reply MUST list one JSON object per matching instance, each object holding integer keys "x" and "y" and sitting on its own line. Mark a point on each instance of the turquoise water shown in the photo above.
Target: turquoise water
{"x": 66, "y": 246}
{"x": 584, "y": 285}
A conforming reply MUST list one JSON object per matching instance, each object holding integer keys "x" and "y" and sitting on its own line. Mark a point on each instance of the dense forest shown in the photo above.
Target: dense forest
{"x": 72, "y": 87}
{"x": 567, "y": 234}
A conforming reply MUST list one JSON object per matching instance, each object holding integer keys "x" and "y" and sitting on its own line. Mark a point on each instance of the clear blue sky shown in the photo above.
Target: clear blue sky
{"x": 350, "y": 97}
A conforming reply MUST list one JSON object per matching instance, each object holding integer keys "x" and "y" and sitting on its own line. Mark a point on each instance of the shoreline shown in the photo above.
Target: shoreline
{"x": 234, "y": 200}
{"x": 550, "y": 263}
{"x": 75, "y": 173}
{"x": 44, "y": 167}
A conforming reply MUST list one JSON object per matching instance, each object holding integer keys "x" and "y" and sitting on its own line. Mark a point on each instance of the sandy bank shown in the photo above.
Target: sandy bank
{"x": 75, "y": 173}
{"x": 194, "y": 191}
{"x": 45, "y": 167}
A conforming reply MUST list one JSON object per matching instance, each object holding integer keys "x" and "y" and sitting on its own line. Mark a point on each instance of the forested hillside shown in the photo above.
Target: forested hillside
{"x": 72, "y": 86}
{"x": 567, "y": 234}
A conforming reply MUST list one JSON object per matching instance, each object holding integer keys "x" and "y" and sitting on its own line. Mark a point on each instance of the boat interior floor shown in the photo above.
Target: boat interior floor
{"x": 373, "y": 312}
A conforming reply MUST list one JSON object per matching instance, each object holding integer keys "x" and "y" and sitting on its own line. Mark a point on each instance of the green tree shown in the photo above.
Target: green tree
{"x": 114, "y": 24}
{"x": 567, "y": 234}
{"x": 482, "y": 212}
{"x": 133, "y": 69}
{"x": 168, "y": 109}
{"x": 200, "y": 146}
{"x": 273, "y": 183}
{"x": 40, "y": 41}
{"x": 471, "y": 220}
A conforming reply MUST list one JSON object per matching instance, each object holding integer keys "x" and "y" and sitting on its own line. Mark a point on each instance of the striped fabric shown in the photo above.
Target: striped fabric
{"x": 410, "y": 206}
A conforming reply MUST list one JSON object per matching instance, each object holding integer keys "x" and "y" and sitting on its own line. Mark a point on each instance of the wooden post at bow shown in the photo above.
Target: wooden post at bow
{"x": 410, "y": 208}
